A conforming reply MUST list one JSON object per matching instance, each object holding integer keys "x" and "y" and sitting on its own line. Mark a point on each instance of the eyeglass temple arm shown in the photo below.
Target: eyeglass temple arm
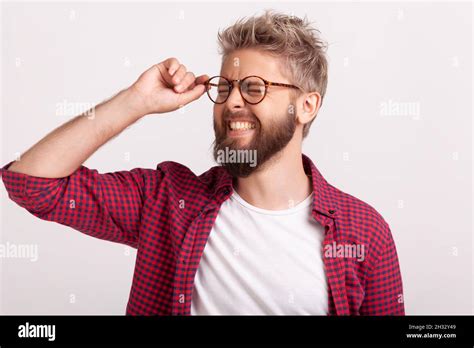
{"x": 268, "y": 83}
{"x": 282, "y": 85}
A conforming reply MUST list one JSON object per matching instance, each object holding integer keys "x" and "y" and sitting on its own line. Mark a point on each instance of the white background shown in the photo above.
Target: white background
{"x": 414, "y": 168}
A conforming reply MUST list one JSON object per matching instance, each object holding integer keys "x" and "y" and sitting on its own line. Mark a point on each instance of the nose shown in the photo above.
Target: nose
{"x": 235, "y": 101}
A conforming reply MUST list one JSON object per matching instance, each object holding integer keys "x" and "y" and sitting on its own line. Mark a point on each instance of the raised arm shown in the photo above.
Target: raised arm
{"x": 51, "y": 183}
{"x": 157, "y": 90}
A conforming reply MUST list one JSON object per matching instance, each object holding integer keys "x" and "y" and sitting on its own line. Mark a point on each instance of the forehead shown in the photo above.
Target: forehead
{"x": 246, "y": 62}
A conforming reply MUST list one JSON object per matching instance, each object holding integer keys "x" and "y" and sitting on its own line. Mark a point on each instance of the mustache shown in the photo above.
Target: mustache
{"x": 230, "y": 116}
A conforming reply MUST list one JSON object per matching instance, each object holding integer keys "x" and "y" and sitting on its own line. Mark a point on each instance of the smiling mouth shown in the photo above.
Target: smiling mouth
{"x": 237, "y": 126}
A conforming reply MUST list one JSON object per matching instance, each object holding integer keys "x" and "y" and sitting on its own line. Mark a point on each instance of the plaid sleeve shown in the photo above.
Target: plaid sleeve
{"x": 384, "y": 289}
{"x": 106, "y": 206}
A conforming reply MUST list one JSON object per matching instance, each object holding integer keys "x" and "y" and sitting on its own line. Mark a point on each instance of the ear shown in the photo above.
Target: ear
{"x": 309, "y": 106}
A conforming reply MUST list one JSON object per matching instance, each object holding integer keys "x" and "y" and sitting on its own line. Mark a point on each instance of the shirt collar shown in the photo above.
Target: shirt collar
{"x": 324, "y": 200}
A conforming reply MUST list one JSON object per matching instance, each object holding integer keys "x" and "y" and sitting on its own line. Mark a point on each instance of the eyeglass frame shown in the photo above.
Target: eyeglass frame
{"x": 231, "y": 86}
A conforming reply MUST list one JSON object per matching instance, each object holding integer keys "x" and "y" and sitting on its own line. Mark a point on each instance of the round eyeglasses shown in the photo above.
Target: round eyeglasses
{"x": 253, "y": 89}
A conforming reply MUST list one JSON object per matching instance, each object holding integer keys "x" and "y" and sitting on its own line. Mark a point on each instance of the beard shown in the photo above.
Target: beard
{"x": 267, "y": 140}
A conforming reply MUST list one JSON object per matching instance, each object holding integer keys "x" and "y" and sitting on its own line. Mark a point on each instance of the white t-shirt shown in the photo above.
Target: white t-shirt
{"x": 259, "y": 262}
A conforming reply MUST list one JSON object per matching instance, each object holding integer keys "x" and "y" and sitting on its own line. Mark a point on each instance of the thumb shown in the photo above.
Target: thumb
{"x": 191, "y": 95}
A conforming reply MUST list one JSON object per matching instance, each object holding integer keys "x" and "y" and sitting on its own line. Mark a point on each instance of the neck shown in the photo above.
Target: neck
{"x": 280, "y": 184}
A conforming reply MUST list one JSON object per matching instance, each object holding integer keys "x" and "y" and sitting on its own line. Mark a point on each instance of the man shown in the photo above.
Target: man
{"x": 263, "y": 232}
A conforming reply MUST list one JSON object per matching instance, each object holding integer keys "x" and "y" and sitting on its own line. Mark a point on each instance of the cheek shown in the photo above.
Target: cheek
{"x": 265, "y": 113}
{"x": 217, "y": 109}
{"x": 218, "y": 113}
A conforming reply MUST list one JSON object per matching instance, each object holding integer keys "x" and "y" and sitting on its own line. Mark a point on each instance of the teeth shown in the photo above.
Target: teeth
{"x": 241, "y": 125}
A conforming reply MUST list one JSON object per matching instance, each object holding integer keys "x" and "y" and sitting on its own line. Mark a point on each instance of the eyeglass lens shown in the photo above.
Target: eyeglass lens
{"x": 252, "y": 89}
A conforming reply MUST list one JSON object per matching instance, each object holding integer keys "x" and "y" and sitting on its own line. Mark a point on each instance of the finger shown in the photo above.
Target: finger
{"x": 199, "y": 81}
{"x": 164, "y": 69}
{"x": 186, "y": 83}
{"x": 164, "y": 74}
{"x": 171, "y": 65}
{"x": 179, "y": 74}
{"x": 191, "y": 95}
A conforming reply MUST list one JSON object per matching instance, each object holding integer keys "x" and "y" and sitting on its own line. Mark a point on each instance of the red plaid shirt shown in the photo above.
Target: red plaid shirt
{"x": 167, "y": 215}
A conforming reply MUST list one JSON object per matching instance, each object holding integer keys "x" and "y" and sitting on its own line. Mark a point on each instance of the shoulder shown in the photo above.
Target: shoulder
{"x": 175, "y": 173}
{"x": 358, "y": 221}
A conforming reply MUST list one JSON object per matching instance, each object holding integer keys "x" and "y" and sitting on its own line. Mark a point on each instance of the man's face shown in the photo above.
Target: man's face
{"x": 265, "y": 128}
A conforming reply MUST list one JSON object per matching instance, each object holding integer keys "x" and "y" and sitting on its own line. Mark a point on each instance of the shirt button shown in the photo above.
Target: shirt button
{"x": 331, "y": 211}
{"x": 226, "y": 191}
